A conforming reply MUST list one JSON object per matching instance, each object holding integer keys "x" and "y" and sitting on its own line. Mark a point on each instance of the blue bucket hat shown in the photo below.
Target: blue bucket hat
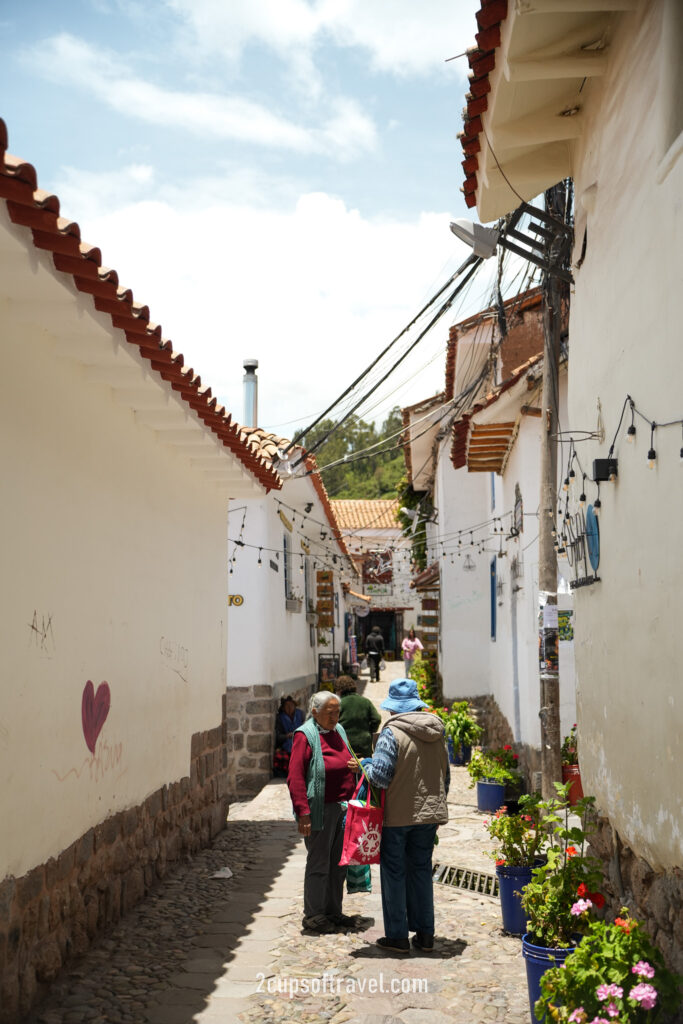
{"x": 403, "y": 696}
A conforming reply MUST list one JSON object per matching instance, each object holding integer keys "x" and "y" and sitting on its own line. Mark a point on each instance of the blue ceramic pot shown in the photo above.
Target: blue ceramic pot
{"x": 511, "y": 881}
{"x": 490, "y": 795}
{"x": 538, "y": 960}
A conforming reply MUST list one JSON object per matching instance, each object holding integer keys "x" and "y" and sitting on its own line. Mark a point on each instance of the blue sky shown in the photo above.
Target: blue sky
{"x": 274, "y": 178}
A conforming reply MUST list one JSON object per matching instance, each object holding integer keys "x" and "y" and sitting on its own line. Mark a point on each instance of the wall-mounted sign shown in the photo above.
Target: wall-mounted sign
{"x": 235, "y": 600}
{"x": 273, "y": 565}
{"x": 582, "y": 545}
{"x": 285, "y": 521}
{"x": 378, "y": 567}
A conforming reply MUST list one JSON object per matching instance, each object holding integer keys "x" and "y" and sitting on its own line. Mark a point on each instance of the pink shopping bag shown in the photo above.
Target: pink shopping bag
{"x": 363, "y": 830}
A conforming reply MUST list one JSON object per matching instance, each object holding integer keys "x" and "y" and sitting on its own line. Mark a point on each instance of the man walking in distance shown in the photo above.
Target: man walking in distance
{"x": 374, "y": 648}
{"x": 410, "y": 762}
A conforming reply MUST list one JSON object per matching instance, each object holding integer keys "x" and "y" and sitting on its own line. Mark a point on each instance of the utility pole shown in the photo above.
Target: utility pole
{"x": 551, "y": 765}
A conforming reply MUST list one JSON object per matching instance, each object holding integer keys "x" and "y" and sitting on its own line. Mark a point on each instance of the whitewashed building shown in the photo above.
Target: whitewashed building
{"x": 117, "y": 467}
{"x": 286, "y": 605}
{"x": 594, "y": 91}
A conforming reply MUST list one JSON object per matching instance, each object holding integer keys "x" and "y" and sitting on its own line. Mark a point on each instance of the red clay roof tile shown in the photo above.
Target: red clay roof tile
{"x": 38, "y": 210}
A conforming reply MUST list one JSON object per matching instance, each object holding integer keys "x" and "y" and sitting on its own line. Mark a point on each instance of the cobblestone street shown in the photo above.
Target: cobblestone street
{"x": 203, "y": 949}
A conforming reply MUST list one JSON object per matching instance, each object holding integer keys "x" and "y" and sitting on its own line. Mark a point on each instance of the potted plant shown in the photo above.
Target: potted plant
{"x": 492, "y": 772}
{"x": 519, "y": 842}
{"x": 560, "y": 898}
{"x": 614, "y": 974}
{"x": 462, "y": 732}
{"x": 570, "y": 766}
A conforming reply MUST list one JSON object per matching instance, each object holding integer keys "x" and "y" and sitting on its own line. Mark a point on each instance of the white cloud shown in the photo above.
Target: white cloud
{"x": 402, "y": 36}
{"x": 346, "y": 132}
{"x": 313, "y": 290}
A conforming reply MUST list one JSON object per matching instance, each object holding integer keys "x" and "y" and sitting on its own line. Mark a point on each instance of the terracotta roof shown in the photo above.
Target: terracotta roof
{"x": 38, "y": 211}
{"x": 427, "y": 578}
{"x": 267, "y": 446}
{"x": 485, "y": 447}
{"x": 379, "y": 514}
{"x": 482, "y": 61}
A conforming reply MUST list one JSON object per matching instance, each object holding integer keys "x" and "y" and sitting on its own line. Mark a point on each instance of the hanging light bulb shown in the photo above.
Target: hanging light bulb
{"x": 651, "y": 458}
{"x": 572, "y": 474}
{"x": 565, "y": 485}
{"x": 259, "y": 563}
{"x": 582, "y": 499}
{"x": 631, "y": 433}
{"x": 597, "y": 505}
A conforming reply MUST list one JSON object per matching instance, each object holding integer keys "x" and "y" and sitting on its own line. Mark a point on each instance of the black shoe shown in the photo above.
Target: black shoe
{"x": 395, "y": 945}
{"x": 320, "y": 925}
{"x": 344, "y": 921}
{"x": 423, "y": 941}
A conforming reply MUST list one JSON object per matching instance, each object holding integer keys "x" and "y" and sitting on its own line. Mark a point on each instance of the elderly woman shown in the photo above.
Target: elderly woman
{"x": 320, "y": 777}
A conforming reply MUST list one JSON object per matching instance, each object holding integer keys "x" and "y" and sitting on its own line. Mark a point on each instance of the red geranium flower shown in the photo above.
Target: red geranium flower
{"x": 499, "y": 862}
{"x": 572, "y": 851}
{"x": 507, "y": 747}
{"x": 581, "y": 891}
{"x": 597, "y": 898}
{"x": 624, "y": 925}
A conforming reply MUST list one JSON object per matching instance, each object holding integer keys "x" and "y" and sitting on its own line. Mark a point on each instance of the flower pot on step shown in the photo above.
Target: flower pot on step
{"x": 572, "y": 773}
{"x": 490, "y": 795}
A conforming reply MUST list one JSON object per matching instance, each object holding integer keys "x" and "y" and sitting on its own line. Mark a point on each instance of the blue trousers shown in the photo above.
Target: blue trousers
{"x": 405, "y": 870}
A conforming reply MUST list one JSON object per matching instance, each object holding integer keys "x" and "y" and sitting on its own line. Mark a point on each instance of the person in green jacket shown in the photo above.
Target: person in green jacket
{"x": 359, "y": 717}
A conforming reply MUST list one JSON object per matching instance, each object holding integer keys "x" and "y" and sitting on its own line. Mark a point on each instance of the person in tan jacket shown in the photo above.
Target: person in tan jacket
{"x": 410, "y": 763}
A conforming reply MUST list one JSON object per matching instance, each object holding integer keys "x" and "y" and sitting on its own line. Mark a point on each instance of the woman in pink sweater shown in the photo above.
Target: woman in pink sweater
{"x": 411, "y": 645}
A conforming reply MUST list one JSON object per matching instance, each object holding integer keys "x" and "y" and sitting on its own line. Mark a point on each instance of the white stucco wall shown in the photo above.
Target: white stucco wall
{"x": 463, "y": 500}
{"x": 113, "y": 570}
{"x": 625, "y": 332}
{"x": 269, "y": 644}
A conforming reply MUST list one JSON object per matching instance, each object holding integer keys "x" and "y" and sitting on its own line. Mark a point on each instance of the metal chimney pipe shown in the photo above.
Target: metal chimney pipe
{"x": 250, "y": 381}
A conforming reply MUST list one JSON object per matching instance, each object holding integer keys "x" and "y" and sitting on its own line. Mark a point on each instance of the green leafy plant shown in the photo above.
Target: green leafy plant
{"x": 424, "y": 674}
{"x": 459, "y": 725}
{"x": 569, "y": 750}
{"x": 488, "y": 767}
{"x": 519, "y": 838}
{"x": 559, "y": 898}
{"x": 615, "y": 974}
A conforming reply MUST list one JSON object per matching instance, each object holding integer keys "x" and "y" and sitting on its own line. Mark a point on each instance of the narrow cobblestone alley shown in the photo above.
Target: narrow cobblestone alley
{"x": 203, "y": 949}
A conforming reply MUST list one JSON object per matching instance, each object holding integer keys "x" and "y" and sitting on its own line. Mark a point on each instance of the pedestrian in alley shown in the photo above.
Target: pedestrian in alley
{"x": 358, "y": 715}
{"x": 410, "y": 762}
{"x": 289, "y": 717}
{"x": 411, "y": 645}
{"x": 374, "y": 648}
{"x": 320, "y": 778}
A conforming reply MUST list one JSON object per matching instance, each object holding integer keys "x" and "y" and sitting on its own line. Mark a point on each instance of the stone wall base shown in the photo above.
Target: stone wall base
{"x": 655, "y": 898}
{"x": 250, "y": 724}
{"x": 55, "y": 910}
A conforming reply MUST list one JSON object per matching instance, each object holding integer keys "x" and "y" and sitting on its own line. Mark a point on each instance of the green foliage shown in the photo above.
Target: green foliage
{"x": 614, "y": 973}
{"x": 459, "y": 725}
{"x": 493, "y": 767}
{"x": 557, "y": 886}
{"x": 424, "y": 674}
{"x": 409, "y": 498}
{"x": 518, "y": 837}
{"x": 569, "y": 750}
{"x": 374, "y": 477}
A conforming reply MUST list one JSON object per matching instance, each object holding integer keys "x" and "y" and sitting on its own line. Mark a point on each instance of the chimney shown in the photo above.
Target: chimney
{"x": 250, "y": 393}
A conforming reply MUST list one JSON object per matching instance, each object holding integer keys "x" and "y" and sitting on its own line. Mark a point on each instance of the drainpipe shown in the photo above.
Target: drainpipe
{"x": 250, "y": 391}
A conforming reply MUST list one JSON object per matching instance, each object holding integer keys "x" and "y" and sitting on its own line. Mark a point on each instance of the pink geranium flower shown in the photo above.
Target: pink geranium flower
{"x": 608, "y": 992}
{"x": 612, "y": 1009}
{"x": 580, "y": 906}
{"x": 644, "y": 994}
{"x": 578, "y": 1015}
{"x": 643, "y": 969}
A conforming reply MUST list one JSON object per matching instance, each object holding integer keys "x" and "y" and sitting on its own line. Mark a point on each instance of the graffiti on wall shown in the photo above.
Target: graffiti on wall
{"x": 105, "y": 757}
{"x": 41, "y": 635}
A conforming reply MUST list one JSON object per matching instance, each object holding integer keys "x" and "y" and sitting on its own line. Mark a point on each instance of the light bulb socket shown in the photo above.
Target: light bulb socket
{"x": 631, "y": 433}
{"x": 572, "y": 474}
{"x": 651, "y": 458}
{"x": 582, "y": 500}
{"x": 565, "y": 485}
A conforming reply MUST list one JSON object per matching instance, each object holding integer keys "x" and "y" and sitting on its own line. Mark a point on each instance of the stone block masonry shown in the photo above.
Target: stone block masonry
{"x": 250, "y": 732}
{"x": 54, "y": 911}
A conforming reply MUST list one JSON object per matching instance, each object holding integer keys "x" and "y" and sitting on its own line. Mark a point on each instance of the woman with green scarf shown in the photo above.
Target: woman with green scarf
{"x": 320, "y": 781}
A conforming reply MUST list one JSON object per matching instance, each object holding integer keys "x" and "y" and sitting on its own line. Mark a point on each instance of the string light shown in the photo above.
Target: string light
{"x": 652, "y": 454}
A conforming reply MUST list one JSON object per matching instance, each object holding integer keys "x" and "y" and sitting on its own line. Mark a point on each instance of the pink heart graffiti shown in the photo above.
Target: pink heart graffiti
{"x": 94, "y": 711}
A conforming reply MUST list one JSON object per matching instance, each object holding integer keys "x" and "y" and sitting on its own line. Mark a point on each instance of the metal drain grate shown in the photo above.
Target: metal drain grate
{"x": 466, "y": 878}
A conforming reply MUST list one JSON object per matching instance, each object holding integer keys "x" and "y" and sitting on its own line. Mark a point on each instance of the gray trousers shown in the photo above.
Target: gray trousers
{"x": 324, "y": 879}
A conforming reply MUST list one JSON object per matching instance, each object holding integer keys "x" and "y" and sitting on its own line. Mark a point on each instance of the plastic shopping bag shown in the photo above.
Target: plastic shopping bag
{"x": 363, "y": 830}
